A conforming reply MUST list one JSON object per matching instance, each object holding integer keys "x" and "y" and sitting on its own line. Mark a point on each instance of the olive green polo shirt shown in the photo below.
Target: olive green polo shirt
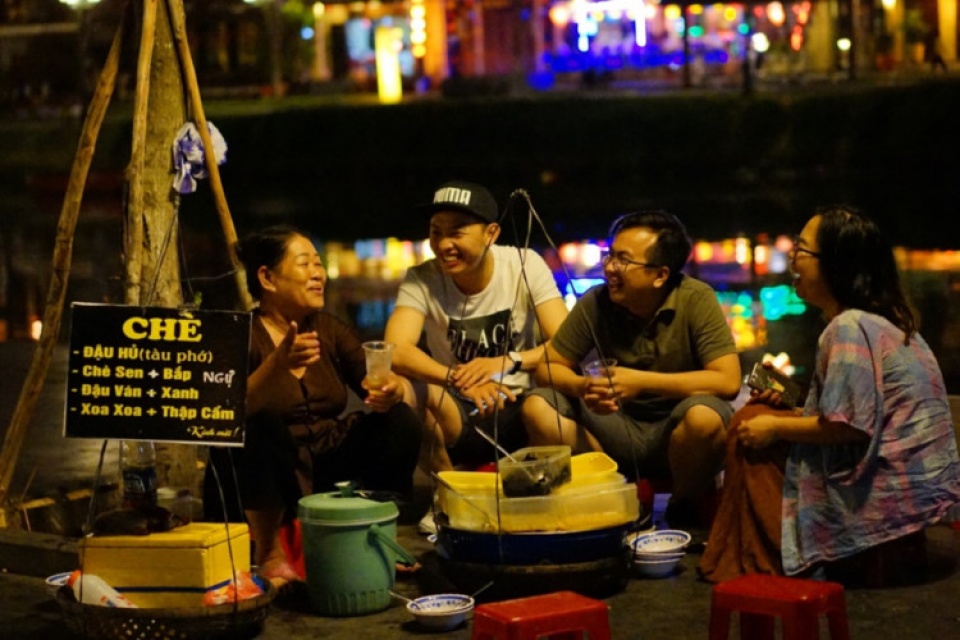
{"x": 688, "y": 331}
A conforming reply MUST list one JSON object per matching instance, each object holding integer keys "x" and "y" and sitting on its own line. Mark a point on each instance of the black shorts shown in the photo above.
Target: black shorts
{"x": 505, "y": 426}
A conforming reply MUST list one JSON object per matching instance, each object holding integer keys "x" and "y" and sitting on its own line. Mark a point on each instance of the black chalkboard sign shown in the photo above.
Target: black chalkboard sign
{"x": 149, "y": 373}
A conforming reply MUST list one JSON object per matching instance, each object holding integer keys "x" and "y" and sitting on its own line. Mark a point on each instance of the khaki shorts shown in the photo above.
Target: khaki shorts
{"x": 638, "y": 446}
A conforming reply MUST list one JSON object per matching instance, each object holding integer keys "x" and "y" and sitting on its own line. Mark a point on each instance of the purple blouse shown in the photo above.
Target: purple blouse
{"x": 841, "y": 499}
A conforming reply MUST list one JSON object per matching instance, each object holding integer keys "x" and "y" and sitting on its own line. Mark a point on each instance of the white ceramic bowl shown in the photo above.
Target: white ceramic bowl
{"x": 441, "y": 611}
{"x": 656, "y": 568}
{"x": 56, "y": 581}
{"x": 666, "y": 541}
{"x": 658, "y": 556}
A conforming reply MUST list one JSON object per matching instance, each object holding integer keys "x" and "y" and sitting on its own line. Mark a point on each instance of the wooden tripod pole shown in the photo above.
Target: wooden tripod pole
{"x": 62, "y": 258}
{"x": 133, "y": 240}
{"x": 178, "y": 21}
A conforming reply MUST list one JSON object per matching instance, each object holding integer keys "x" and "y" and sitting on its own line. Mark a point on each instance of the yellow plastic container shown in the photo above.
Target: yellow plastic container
{"x": 596, "y": 497}
{"x": 585, "y": 469}
{"x": 597, "y": 507}
{"x": 171, "y": 569}
{"x": 591, "y": 468}
{"x": 480, "y": 511}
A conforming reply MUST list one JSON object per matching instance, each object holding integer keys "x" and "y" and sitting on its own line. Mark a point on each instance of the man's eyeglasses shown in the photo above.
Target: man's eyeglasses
{"x": 621, "y": 261}
{"x": 797, "y": 249}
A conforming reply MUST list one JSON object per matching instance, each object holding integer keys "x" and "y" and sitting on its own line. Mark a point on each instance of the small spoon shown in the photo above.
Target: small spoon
{"x": 486, "y": 436}
{"x": 481, "y": 589}
{"x": 400, "y": 597}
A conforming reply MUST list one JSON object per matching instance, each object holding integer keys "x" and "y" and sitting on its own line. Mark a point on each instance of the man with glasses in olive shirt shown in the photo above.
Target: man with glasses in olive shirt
{"x": 662, "y": 411}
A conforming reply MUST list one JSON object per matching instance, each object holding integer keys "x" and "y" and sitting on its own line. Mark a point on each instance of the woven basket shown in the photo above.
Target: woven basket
{"x": 243, "y": 620}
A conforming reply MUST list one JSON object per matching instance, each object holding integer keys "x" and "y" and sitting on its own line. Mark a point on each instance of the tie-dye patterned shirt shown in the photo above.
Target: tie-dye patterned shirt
{"x": 842, "y": 499}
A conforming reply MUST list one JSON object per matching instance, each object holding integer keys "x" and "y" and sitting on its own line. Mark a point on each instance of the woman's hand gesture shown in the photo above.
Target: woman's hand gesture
{"x": 758, "y": 432}
{"x": 298, "y": 350}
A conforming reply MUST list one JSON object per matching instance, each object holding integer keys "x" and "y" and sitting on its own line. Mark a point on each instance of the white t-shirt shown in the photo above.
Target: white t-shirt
{"x": 500, "y": 318}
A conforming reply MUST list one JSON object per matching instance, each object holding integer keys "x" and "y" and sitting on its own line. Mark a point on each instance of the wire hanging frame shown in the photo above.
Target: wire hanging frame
{"x": 523, "y": 284}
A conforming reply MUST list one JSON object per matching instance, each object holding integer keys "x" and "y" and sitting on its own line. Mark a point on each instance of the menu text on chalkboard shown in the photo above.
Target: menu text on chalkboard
{"x": 152, "y": 373}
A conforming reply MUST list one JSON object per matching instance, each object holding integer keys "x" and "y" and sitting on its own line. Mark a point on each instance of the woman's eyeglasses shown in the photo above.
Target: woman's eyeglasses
{"x": 797, "y": 249}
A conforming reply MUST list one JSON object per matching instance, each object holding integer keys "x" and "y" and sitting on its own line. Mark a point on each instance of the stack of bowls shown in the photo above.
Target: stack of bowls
{"x": 656, "y": 554}
{"x": 442, "y": 611}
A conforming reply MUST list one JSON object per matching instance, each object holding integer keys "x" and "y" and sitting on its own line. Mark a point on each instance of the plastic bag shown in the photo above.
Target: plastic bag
{"x": 244, "y": 587}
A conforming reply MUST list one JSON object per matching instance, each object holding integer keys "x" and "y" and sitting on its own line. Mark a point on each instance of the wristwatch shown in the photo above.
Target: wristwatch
{"x": 517, "y": 361}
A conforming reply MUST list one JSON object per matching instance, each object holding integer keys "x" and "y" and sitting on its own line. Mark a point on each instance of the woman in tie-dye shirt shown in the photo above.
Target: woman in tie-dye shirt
{"x": 873, "y": 456}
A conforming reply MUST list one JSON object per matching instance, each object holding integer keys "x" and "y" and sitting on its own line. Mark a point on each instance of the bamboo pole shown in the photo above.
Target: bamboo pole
{"x": 62, "y": 257}
{"x": 178, "y": 20}
{"x": 133, "y": 240}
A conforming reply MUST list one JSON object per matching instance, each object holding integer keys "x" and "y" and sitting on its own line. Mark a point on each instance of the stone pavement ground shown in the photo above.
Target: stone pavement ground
{"x": 677, "y": 607}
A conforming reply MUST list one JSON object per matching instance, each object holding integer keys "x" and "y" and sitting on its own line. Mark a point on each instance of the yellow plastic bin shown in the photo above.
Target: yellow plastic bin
{"x": 597, "y": 496}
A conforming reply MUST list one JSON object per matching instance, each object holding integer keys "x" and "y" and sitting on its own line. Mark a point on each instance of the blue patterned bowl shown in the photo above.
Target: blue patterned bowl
{"x": 441, "y": 611}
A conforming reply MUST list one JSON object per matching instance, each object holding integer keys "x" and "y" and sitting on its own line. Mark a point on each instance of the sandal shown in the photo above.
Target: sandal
{"x": 404, "y": 570}
{"x": 280, "y": 574}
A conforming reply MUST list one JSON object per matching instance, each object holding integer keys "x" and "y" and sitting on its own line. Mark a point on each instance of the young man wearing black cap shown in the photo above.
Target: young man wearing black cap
{"x": 487, "y": 311}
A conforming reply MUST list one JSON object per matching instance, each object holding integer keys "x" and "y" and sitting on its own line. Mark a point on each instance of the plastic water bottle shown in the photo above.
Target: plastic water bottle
{"x": 94, "y": 590}
{"x": 139, "y": 470}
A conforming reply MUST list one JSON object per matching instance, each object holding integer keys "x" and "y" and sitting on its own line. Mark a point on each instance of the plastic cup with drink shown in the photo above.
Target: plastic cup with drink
{"x": 600, "y": 369}
{"x": 600, "y": 372}
{"x": 379, "y": 356}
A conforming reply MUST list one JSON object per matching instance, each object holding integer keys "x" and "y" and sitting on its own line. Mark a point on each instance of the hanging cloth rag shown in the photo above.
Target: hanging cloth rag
{"x": 188, "y": 158}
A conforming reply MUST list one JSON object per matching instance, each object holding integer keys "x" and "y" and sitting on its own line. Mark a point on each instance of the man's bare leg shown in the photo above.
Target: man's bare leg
{"x": 695, "y": 457}
{"x": 547, "y": 427}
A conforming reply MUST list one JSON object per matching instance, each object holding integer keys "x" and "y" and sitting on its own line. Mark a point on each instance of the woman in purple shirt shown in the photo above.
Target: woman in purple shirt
{"x": 872, "y": 457}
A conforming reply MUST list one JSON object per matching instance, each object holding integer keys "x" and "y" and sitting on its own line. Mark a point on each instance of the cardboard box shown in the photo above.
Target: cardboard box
{"x": 171, "y": 569}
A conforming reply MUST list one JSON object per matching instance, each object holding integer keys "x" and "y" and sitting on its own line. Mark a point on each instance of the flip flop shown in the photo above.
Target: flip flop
{"x": 281, "y": 575}
{"x": 407, "y": 570}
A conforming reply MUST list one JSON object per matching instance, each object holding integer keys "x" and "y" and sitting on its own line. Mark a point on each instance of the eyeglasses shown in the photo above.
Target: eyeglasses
{"x": 620, "y": 261}
{"x": 797, "y": 249}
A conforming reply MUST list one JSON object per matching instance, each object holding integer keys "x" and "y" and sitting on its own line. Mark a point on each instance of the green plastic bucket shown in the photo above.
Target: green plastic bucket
{"x": 350, "y": 552}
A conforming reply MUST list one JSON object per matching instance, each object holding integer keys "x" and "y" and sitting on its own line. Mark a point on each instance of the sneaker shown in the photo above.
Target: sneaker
{"x": 427, "y": 525}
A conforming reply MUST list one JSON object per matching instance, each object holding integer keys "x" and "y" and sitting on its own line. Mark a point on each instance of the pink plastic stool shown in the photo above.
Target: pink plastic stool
{"x": 798, "y": 603}
{"x": 562, "y": 615}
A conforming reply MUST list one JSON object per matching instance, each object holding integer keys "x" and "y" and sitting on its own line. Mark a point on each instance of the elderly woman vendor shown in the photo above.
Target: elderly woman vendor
{"x": 872, "y": 457}
{"x": 302, "y": 361}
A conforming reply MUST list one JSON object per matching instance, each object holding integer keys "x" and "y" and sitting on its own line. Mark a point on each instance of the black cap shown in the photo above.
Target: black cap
{"x": 467, "y": 197}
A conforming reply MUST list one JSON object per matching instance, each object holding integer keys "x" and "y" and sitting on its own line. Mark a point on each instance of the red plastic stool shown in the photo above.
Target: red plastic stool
{"x": 798, "y": 603}
{"x": 562, "y": 615}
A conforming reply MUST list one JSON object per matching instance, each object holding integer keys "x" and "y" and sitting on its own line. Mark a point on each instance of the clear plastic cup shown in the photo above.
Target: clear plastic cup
{"x": 379, "y": 355}
{"x": 600, "y": 369}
